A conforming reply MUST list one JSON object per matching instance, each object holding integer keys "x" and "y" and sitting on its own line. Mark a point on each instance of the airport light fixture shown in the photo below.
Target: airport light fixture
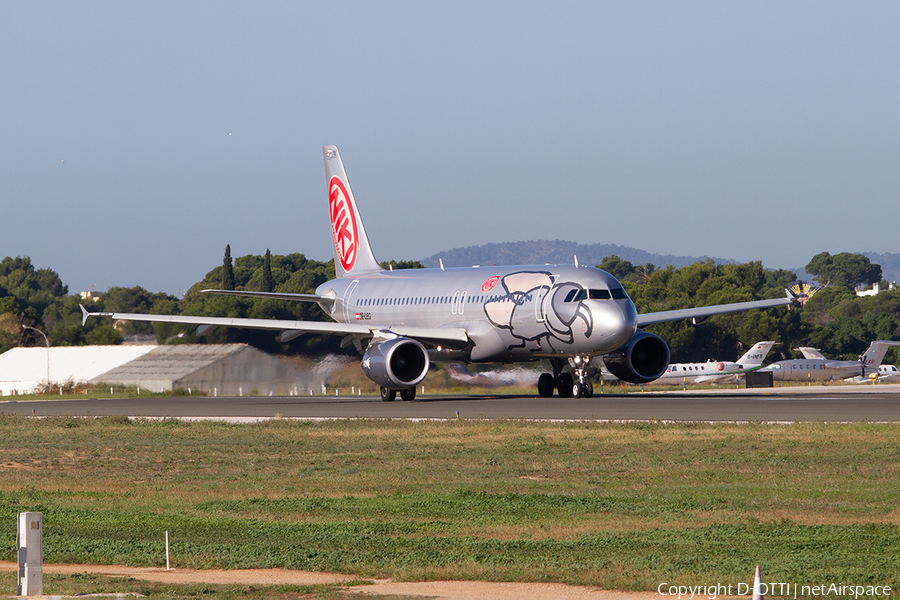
{"x": 47, "y": 340}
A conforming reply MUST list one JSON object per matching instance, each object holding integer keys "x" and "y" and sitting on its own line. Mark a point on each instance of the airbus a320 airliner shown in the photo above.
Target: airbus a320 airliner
{"x": 402, "y": 320}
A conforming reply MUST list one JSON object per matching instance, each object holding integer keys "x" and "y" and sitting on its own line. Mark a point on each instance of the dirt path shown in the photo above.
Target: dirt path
{"x": 440, "y": 590}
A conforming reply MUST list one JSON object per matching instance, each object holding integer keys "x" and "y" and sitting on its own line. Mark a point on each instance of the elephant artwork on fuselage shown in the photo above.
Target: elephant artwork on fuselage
{"x": 536, "y": 314}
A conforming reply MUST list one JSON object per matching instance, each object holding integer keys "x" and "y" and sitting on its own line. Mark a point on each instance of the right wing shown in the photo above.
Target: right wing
{"x": 452, "y": 337}
{"x": 702, "y": 313}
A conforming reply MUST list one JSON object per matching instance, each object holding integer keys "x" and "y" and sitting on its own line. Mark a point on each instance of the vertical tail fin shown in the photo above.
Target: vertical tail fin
{"x": 875, "y": 354}
{"x": 352, "y": 252}
{"x": 756, "y": 355}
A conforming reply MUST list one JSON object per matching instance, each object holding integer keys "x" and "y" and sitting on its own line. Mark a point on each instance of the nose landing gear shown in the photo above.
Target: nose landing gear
{"x": 582, "y": 386}
{"x": 578, "y": 386}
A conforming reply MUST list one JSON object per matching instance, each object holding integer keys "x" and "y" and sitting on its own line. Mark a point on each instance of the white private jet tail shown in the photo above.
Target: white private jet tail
{"x": 352, "y": 252}
{"x": 755, "y": 355}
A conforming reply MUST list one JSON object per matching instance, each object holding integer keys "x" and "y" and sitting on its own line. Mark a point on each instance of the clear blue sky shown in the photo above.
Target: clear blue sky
{"x": 138, "y": 138}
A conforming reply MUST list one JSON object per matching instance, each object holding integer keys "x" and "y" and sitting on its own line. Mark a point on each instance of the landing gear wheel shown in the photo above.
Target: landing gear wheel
{"x": 408, "y": 394}
{"x": 577, "y": 390}
{"x": 545, "y": 385}
{"x": 565, "y": 385}
{"x": 588, "y": 391}
{"x": 388, "y": 395}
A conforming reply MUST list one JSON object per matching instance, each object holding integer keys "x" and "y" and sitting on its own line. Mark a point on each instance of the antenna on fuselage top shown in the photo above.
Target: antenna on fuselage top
{"x": 441, "y": 261}
{"x": 576, "y": 260}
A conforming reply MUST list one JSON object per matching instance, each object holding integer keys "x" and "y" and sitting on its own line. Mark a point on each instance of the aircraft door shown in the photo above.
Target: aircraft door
{"x": 542, "y": 298}
{"x": 349, "y": 310}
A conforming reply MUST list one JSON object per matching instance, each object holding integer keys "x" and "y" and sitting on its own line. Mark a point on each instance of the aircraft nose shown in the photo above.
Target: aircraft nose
{"x": 614, "y": 323}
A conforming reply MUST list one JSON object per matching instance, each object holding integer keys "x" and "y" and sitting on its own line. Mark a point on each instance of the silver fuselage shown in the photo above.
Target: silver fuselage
{"x": 805, "y": 369}
{"x": 510, "y": 313}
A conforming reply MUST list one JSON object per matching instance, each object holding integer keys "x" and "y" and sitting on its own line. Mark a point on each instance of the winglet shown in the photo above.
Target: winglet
{"x": 795, "y": 301}
{"x": 84, "y": 315}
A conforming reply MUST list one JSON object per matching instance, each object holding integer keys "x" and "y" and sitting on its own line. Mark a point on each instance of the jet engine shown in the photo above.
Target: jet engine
{"x": 643, "y": 359}
{"x": 396, "y": 364}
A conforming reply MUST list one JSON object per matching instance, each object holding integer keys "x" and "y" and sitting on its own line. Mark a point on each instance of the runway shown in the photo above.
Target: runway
{"x": 828, "y": 403}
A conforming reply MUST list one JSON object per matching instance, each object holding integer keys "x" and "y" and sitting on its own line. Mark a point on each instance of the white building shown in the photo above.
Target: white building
{"x": 23, "y": 369}
{"x": 224, "y": 369}
{"x": 875, "y": 290}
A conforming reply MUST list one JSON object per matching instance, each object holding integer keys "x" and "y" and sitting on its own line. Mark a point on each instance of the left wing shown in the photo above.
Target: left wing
{"x": 453, "y": 337}
{"x": 702, "y": 313}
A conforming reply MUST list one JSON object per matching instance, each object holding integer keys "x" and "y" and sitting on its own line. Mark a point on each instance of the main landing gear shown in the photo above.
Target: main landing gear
{"x": 408, "y": 394}
{"x": 578, "y": 386}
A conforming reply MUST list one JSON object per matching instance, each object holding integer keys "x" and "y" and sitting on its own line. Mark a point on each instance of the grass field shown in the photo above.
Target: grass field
{"x": 620, "y": 506}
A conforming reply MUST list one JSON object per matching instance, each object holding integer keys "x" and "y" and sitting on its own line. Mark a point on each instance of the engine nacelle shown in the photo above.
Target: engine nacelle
{"x": 642, "y": 359}
{"x": 396, "y": 364}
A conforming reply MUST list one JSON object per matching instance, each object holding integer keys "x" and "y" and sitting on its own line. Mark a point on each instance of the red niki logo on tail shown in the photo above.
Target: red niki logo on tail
{"x": 343, "y": 223}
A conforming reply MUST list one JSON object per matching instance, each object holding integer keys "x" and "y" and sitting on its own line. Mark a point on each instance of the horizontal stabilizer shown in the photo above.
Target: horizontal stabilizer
{"x": 811, "y": 353}
{"x": 272, "y": 295}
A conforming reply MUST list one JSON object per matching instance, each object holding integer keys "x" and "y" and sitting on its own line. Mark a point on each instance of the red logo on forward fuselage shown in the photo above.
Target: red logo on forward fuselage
{"x": 343, "y": 223}
{"x": 489, "y": 284}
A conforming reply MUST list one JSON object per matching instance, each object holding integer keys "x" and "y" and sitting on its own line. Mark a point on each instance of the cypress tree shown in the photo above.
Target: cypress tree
{"x": 268, "y": 283}
{"x": 228, "y": 272}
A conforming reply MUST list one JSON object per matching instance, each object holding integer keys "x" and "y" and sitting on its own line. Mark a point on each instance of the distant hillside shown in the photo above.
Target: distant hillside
{"x": 538, "y": 252}
{"x": 890, "y": 264}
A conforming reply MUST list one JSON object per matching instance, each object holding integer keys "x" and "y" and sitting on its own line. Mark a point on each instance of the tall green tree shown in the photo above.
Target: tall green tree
{"x": 844, "y": 269}
{"x": 644, "y": 272}
{"x": 227, "y": 270}
{"x": 617, "y": 267}
{"x": 34, "y": 288}
{"x": 268, "y": 282}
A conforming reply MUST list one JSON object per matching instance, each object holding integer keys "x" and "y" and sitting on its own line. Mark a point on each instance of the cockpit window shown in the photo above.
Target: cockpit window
{"x": 595, "y": 294}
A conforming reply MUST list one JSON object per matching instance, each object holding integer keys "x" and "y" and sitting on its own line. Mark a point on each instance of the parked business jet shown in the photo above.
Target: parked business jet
{"x": 402, "y": 320}
{"x": 815, "y": 367}
{"x": 884, "y": 373}
{"x": 713, "y": 371}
